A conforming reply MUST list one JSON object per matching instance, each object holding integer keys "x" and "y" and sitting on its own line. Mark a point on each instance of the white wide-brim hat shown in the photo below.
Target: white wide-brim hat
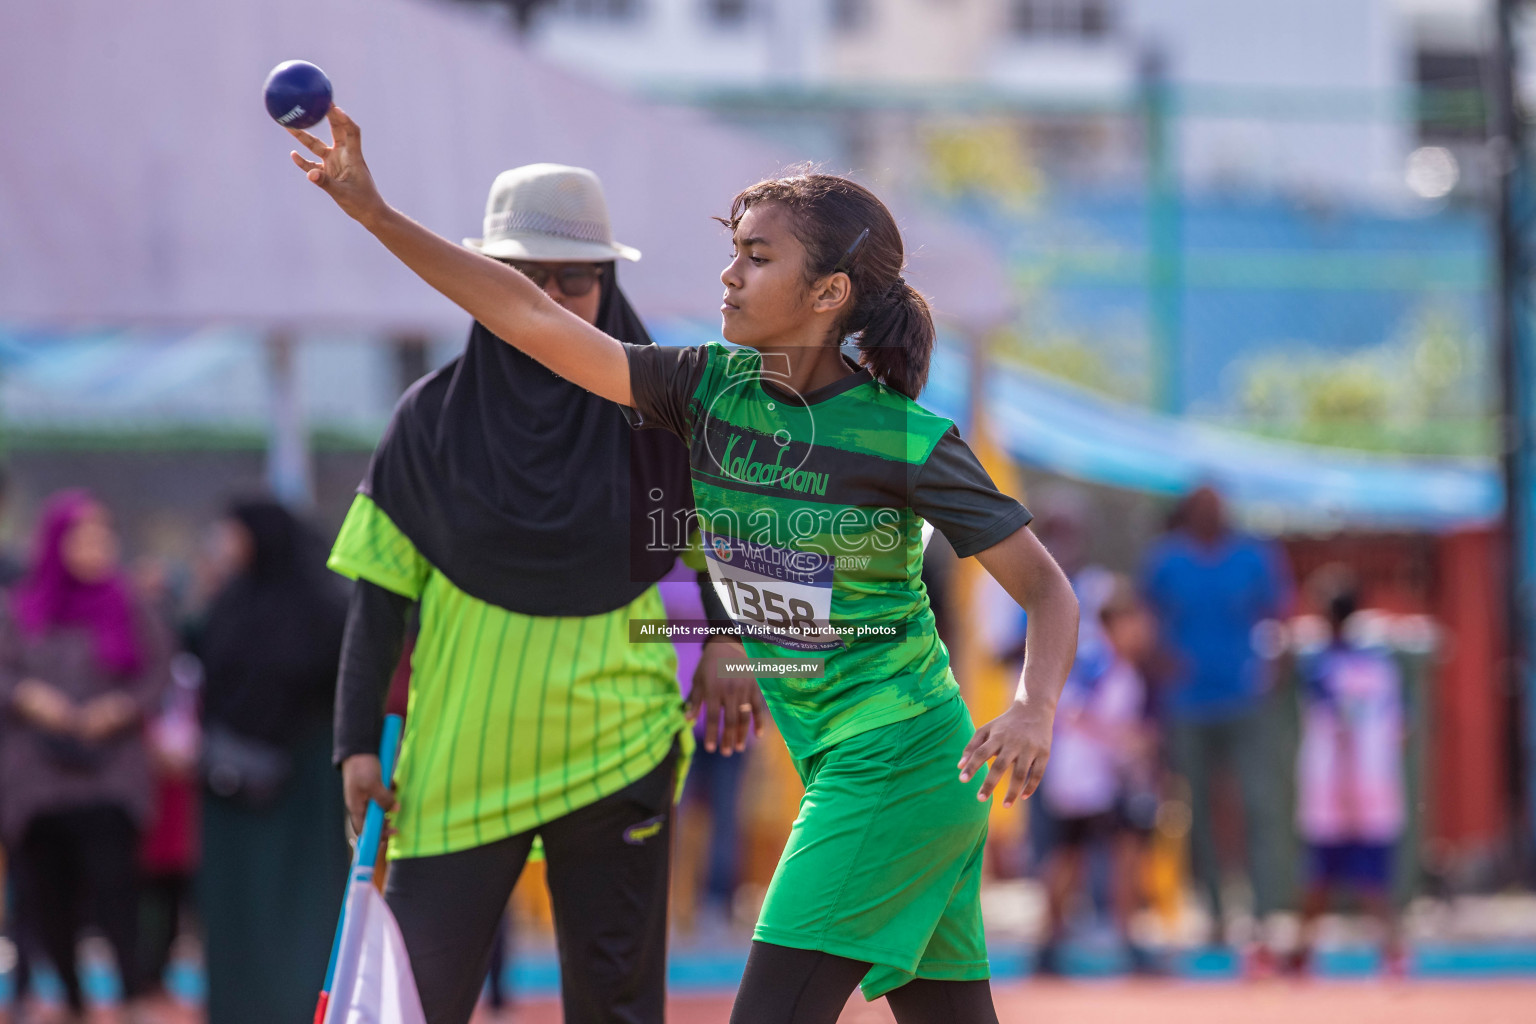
{"x": 549, "y": 212}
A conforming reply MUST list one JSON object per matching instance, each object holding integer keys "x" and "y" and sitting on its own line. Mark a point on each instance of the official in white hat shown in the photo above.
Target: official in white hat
{"x": 514, "y": 508}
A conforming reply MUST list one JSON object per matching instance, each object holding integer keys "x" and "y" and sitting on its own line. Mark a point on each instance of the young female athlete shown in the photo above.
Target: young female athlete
{"x": 812, "y": 477}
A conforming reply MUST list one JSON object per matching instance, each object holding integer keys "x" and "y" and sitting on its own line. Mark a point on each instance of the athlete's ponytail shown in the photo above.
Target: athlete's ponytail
{"x": 896, "y": 341}
{"x": 845, "y": 227}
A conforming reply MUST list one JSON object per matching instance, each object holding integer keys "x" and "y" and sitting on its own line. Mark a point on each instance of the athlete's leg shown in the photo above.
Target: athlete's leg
{"x": 924, "y": 1001}
{"x": 783, "y": 985}
{"x": 448, "y": 907}
{"x": 608, "y": 871}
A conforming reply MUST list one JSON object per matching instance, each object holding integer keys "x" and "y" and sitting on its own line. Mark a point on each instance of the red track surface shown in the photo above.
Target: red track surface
{"x": 1366, "y": 1002}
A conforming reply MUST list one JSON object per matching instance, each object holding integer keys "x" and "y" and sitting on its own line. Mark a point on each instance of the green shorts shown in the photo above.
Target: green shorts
{"x": 884, "y": 861}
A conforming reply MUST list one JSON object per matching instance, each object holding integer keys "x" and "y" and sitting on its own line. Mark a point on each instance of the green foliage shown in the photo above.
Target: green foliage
{"x": 1425, "y": 392}
{"x": 1093, "y": 364}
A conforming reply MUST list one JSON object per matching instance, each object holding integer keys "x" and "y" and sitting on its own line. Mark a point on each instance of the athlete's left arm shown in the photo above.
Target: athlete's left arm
{"x": 1020, "y": 738}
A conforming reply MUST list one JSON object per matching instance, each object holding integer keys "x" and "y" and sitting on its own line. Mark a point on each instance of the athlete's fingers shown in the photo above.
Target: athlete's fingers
{"x": 309, "y": 142}
{"x": 1036, "y": 774}
{"x": 313, "y": 171}
{"x": 728, "y": 732}
{"x": 974, "y": 758}
{"x": 1015, "y": 783}
{"x": 967, "y": 757}
{"x": 342, "y": 125}
{"x": 697, "y": 691}
{"x": 728, "y": 718}
{"x": 994, "y": 776}
{"x": 711, "y": 723}
{"x": 743, "y": 707}
{"x": 759, "y": 709}
{"x": 732, "y": 720}
{"x": 745, "y": 711}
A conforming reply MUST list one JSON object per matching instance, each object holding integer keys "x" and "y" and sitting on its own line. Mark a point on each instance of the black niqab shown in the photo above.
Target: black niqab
{"x": 525, "y": 490}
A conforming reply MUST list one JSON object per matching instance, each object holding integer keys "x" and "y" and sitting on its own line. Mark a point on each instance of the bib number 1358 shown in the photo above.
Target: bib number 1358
{"x": 777, "y": 595}
{"x": 757, "y": 603}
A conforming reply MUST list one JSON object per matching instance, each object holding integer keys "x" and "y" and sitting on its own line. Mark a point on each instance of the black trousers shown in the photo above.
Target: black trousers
{"x": 608, "y": 867}
{"x": 77, "y": 869}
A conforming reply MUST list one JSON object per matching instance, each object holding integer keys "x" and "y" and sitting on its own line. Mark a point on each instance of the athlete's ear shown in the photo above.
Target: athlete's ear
{"x": 832, "y": 293}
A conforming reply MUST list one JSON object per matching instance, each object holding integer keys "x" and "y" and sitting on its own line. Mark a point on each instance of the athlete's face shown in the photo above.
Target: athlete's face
{"x": 766, "y": 298}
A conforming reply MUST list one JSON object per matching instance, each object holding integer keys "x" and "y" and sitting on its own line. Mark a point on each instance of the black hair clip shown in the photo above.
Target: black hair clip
{"x": 847, "y": 260}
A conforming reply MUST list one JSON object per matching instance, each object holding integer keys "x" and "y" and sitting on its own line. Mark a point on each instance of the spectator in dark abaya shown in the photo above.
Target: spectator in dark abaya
{"x": 81, "y": 666}
{"x": 274, "y": 854}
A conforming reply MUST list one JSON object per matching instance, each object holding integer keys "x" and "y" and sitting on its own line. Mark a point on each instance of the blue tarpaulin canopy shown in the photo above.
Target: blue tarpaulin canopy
{"x": 1045, "y": 424}
{"x": 1277, "y": 485}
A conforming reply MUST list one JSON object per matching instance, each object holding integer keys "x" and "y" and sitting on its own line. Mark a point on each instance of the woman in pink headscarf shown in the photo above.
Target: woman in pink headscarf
{"x": 80, "y": 666}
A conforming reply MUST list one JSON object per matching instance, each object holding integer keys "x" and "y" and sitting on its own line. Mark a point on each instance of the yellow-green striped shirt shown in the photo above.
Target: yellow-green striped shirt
{"x": 513, "y": 720}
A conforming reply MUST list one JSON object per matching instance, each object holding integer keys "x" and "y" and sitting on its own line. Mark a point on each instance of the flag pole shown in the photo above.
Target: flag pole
{"x": 364, "y": 854}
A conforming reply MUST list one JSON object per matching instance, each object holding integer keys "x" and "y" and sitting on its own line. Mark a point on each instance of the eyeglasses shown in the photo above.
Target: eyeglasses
{"x": 573, "y": 279}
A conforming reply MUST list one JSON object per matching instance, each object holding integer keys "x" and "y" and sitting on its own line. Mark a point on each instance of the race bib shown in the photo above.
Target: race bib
{"x": 776, "y": 595}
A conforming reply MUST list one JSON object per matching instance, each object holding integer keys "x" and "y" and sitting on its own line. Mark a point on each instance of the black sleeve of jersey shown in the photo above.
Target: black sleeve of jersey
{"x": 370, "y": 650}
{"x": 956, "y": 495}
{"x": 662, "y": 379}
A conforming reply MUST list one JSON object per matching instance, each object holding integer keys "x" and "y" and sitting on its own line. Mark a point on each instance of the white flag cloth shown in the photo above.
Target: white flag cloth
{"x": 373, "y": 983}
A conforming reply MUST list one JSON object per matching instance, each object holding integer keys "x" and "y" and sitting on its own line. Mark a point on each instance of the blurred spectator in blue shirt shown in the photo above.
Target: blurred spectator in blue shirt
{"x": 1211, "y": 587}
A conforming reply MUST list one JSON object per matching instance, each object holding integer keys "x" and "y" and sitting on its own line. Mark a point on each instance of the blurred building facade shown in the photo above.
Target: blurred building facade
{"x": 1306, "y": 96}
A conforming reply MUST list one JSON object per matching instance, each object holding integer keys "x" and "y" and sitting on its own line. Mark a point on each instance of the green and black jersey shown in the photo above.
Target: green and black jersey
{"x": 513, "y": 720}
{"x": 811, "y": 509}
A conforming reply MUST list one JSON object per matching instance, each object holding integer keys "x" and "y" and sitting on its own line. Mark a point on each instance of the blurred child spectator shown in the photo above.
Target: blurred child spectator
{"x": 1350, "y": 803}
{"x": 1100, "y": 786}
{"x": 168, "y": 857}
{"x": 82, "y": 667}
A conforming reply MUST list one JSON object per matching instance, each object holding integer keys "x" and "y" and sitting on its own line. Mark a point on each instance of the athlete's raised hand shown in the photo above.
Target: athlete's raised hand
{"x": 1018, "y": 739}
{"x": 341, "y": 171}
{"x": 512, "y": 307}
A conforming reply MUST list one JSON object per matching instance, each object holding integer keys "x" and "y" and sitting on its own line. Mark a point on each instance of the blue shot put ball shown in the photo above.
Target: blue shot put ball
{"x": 298, "y": 94}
